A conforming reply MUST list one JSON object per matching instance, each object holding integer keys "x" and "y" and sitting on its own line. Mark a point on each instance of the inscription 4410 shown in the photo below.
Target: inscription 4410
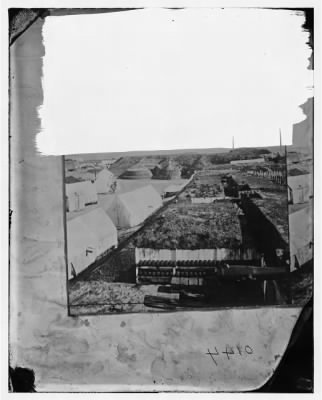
{"x": 230, "y": 351}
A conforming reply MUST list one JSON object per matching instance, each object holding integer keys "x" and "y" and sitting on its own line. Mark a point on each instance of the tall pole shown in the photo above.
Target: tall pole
{"x": 281, "y": 141}
{"x": 233, "y": 143}
{"x": 65, "y": 230}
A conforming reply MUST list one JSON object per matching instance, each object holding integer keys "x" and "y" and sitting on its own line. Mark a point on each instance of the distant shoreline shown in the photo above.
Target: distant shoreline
{"x": 142, "y": 153}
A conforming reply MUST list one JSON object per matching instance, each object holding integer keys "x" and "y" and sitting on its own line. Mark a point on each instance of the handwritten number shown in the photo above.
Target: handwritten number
{"x": 216, "y": 354}
{"x": 248, "y": 349}
{"x": 239, "y": 349}
{"x": 212, "y": 354}
{"x": 227, "y": 352}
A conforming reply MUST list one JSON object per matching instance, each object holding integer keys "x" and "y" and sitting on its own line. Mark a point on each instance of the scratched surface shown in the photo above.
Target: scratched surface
{"x": 223, "y": 350}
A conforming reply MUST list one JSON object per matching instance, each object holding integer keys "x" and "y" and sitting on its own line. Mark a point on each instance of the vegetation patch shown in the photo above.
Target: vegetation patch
{"x": 193, "y": 226}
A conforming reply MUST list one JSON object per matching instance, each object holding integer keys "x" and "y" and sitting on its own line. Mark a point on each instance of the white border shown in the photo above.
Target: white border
{"x": 4, "y": 177}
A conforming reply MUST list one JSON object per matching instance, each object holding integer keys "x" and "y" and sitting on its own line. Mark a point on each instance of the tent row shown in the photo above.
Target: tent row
{"x": 91, "y": 235}
{"x": 83, "y": 193}
{"x": 126, "y": 210}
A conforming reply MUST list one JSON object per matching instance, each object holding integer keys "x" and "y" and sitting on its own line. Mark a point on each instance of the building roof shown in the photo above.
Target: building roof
{"x": 88, "y": 165}
{"x": 72, "y": 179}
{"x": 295, "y": 171}
{"x": 304, "y": 180}
{"x": 137, "y": 173}
{"x": 94, "y": 170}
{"x": 293, "y": 157}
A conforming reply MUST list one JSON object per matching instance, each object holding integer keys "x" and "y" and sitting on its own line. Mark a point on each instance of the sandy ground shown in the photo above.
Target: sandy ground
{"x": 100, "y": 292}
{"x": 101, "y": 297}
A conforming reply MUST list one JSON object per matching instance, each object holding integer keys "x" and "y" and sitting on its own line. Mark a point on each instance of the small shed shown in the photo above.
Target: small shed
{"x": 300, "y": 188}
{"x": 80, "y": 194}
{"x": 301, "y": 237}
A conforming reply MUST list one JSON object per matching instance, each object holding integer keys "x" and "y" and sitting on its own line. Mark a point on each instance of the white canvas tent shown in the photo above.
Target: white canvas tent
{"x": 301, "y": 237}
{"x": 104, "y": 180}
{"x": 300, "y": 188}
{"x": 132, "y": 208}
{"x": 88, "y": 237}
{"x": 80, "y": 194}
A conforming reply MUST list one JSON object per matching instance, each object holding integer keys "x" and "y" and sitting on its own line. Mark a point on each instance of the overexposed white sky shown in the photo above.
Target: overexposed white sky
{"x": 172, "y": 79}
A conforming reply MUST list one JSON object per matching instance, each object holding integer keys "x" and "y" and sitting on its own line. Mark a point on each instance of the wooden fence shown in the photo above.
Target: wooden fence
{"x": 143, "y": 254}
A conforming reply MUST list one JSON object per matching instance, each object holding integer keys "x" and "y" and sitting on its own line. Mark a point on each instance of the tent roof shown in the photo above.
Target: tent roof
{"x": 78, "y": 236}
{"x": 96, "y": 223}
{"x": 141, "y": 198}
{"x": 83, "y": 186}
{"x": 99, "y": 222}
{"x": 295, "y": 171}
{"x": 94, "y": 170}
{"x": 105, "y": 173}
{"x": 173, "y": 188}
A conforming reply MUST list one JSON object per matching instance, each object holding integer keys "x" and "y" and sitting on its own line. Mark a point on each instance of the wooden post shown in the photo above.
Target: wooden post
{"x": 264, "y": 290}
